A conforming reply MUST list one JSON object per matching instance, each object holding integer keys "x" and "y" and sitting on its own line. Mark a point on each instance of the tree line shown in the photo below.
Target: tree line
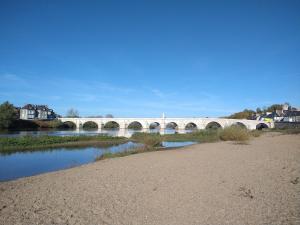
{"x": 248, "y": 113}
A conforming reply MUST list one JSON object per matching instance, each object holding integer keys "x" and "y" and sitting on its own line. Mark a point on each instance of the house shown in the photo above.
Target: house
{"x": 270, "y": 116}
{"x": 286, "y": 114}
{"x": 42, "y": 112}
{"x": 38, "y": 112}
{"x": 291, "y": 116}
{"x": 28, "y": 112}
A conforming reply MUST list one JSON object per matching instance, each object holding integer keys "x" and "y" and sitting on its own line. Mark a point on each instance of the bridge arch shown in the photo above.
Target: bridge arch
{"x": 154, "y": 125}
{"x": 213, "y": 125}
{"x": 172, "y": 125}
{"x": 261, "y": 126}
{"x": 135, "y": 125}
{"x": 111, "y": 125}
{"x": 239, "y": 124}
{"x": 69, "y": 125}
{"x": 90, "y": 125}
{"x": 191, "y": 126}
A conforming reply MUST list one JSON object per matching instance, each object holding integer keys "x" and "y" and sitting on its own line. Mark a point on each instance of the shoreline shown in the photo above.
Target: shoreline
{"x": 209, "y": 183}
{"x": 76, "y": 145}
{"x": 40, "y": 143}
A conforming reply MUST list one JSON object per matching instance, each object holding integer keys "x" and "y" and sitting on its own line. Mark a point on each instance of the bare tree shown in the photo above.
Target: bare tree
{"x": 109, "y": 116}
{"x": 72, "y": 113}
{"x": 97, "y": 116}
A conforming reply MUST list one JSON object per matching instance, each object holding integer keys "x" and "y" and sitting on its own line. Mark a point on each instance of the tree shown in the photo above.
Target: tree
{"x": 72, "y": 113}
{"x": 274, "y": 107}
{"x": 7, "y": 115}
{"x": 109, "y": 116}
{"x": 258, "y": 110}
{"x": 246, "y": 114}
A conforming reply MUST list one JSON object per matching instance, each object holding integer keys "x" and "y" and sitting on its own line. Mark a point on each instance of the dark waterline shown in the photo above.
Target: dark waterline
{"x": 25, "y": 164}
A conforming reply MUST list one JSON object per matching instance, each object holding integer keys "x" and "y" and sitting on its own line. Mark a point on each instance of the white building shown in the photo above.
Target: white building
{"x": 39, "y": 112}
{"x": 28, "y": 112}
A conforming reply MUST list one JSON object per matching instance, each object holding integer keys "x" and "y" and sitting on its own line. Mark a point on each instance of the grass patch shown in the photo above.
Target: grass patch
{"x": 108, "y": 155}
{"x": 25, "y": 143}
{"x": 202, "y": 136}
{"x": 155, "y": 140}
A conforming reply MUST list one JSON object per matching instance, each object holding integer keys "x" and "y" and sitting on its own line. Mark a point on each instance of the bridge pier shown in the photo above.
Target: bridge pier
{"x": 78, "y": 125}
{"x": 100, "y": 126}
{"x": 123, "y": 125}
{"x": 163, "y": 126}
{"x": 145, "y": 130}
{"x": 181, "y": 126}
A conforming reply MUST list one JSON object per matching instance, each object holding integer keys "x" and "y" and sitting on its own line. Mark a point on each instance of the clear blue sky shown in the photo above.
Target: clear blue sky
{"x": 142, "y": 58}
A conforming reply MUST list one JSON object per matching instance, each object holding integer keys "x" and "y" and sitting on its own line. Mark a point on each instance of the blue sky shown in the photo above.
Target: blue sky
{"x": 142, "y": 58}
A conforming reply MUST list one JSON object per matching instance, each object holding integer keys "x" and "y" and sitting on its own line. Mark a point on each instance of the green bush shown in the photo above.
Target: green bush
{"x": 256, "y": 133}
{"x": 234, "y": 133}
{"x": 150, "y": 140}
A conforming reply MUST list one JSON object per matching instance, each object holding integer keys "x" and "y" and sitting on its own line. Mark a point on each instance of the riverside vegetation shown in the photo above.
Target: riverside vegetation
{"x": 149, "y": 141}
{"x": 152, "y": 141}
{"x": 31, "y": 143}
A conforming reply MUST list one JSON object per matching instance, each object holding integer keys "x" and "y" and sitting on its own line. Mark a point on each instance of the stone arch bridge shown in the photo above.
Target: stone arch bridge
{"x": 177, "y": 123}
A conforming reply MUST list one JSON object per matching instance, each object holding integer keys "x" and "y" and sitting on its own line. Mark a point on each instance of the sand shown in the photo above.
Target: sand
{"x": 214, "y": 183}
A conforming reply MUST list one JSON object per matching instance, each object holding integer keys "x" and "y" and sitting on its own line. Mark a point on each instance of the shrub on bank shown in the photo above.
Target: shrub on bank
{"x": 24, "y": 125}
{"x": 256, "y": 133}
{"x": 37, "y": 124}
{"x": 234, "y": 133}
{"x": 149, "y": 140}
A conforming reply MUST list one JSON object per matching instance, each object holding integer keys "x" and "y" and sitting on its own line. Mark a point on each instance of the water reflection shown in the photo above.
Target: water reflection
{"x": 112, "y": 132}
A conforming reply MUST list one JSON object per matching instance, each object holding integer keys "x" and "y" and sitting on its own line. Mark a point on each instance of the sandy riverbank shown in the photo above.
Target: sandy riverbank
{"x": 218, "y": 183}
